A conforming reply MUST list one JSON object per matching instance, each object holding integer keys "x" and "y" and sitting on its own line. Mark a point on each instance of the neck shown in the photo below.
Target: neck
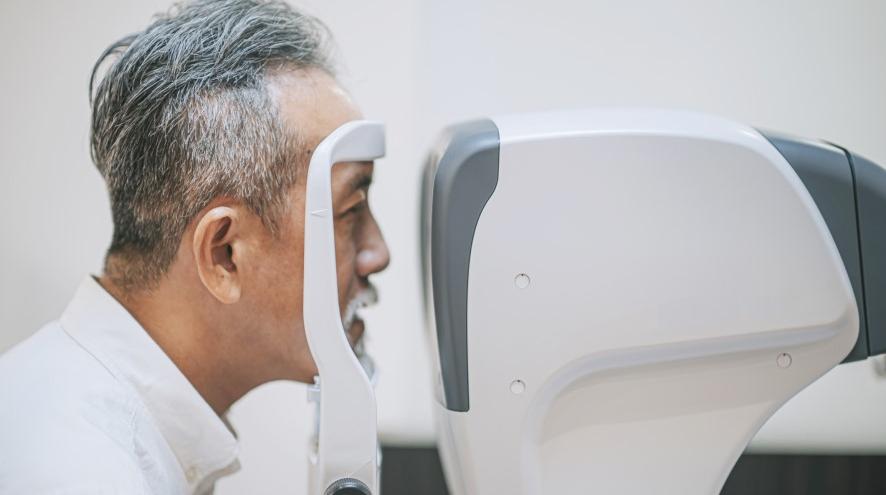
{"x": 168, "y": 317}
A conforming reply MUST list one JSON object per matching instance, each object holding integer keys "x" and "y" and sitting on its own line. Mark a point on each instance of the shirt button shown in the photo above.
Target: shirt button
{"x": 191, "y": 474}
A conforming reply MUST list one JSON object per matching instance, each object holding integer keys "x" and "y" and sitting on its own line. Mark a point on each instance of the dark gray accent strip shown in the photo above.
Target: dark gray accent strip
{"x": 870, "y": 183}
{"x": 466, "y": 177}
{"x": 827, "y": 174}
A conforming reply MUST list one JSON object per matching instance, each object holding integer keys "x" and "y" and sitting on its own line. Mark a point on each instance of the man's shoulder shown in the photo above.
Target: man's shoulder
{"x": 71, "y": 467}
{"x": 49, "y": 380}
{"x": 50, "y": 366}
{"x": 65, "y": 421}
{"x": 90, "y": 465}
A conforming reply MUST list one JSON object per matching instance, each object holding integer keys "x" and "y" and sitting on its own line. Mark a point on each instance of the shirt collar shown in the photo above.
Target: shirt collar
{"x": 204, "y": 444}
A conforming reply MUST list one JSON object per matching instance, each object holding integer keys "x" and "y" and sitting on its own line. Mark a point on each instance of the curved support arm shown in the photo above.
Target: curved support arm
{"x": 347, "y": 440}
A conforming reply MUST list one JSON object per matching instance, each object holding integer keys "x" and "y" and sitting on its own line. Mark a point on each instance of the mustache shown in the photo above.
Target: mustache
{"x": 365, "y": 298}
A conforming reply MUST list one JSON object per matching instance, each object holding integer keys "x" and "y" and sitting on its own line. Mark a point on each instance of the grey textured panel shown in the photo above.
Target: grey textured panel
{"x": 870, "y": 183}
{"x": 466, "y": 176}
{"x": 827, "y": 174}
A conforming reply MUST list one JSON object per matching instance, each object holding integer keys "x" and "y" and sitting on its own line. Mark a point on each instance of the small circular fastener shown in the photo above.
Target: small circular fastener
{"x": 348, "y": 486}
{"x": 191, "y": 474}
{"x": 784, "y": 360}
{"x": 522, "y": 281}
{"x": 518, "y": 387}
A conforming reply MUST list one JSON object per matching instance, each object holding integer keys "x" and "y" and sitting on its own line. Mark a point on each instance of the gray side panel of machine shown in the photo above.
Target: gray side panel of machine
{"x": 467, "y": 174}
{"x": 871, "y": 192}
{"x": 827, "y": 174}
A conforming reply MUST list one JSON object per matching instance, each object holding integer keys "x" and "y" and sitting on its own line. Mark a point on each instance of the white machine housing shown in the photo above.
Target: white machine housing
{"x": 619, "y": 299}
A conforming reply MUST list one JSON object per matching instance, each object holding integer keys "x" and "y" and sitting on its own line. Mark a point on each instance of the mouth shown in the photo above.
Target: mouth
{"x": 355, "y": 336}
{"x": 353, "y": 325}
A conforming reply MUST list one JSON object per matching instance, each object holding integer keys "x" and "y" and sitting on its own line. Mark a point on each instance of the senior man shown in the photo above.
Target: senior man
{"x": 203, "y": 125}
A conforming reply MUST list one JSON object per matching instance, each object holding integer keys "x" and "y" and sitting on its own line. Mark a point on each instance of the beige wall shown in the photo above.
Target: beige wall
{"x": 815, "y": 68}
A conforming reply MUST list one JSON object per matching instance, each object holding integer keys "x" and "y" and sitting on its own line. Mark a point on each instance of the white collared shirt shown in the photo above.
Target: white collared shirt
{"x": 91, "y": 404}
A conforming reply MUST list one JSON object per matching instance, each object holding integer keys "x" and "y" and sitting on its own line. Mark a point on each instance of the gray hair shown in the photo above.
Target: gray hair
{"x": 183, "y": 116}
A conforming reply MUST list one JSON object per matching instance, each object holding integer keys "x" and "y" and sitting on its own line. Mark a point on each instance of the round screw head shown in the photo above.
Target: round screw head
{"x": 522, "y": 281}
{"x": 518, "y": 387}
{"x": 784, "y": 360}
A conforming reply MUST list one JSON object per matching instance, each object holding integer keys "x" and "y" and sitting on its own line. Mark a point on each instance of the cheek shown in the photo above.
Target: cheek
{"x": 288, "y": 281}
{"x": 345, "y": 259}
{"x": 279, "y": 280}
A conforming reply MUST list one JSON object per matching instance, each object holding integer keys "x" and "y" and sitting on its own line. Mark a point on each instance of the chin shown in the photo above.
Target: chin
{"x": 304, "y": 376}
{"x": 299, "y": 366}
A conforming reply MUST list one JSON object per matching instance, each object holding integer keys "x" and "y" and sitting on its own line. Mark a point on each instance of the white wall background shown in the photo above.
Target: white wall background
{"x": 815, "y": 68}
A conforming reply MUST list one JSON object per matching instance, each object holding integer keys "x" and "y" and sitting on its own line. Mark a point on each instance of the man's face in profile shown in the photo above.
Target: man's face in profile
{"x": 312, "y": 105}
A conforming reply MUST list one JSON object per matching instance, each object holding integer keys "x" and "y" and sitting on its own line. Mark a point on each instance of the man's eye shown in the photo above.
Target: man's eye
{"x": 359, "y": 205}
{"x": 357, "y": 208}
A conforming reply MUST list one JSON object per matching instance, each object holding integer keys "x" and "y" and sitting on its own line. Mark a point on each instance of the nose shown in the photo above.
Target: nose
{"x": 373, "y": 256}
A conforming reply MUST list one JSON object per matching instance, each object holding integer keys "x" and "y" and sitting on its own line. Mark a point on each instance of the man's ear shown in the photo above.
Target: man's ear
{"x": 217, "y": 246}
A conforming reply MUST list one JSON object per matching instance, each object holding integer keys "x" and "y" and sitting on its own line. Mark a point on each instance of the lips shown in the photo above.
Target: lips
{"x": 353, "y": 325}
{"x": 355, "y": 328}
{"x": 355, "y": 335}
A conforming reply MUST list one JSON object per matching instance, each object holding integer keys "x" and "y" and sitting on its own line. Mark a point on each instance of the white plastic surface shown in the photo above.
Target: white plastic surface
{"x": 673, "y": 258}
{"x": 347, "y": 438}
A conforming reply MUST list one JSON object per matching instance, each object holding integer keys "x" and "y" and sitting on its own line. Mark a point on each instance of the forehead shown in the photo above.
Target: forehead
{"x": 311, "y": 103}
